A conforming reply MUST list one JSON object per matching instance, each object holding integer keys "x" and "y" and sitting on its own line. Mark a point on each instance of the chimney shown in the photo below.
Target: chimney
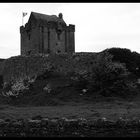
{"x": 60, "y": 15}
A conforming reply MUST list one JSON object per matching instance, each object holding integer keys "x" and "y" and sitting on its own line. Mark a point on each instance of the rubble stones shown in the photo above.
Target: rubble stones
{"x": 45, "y": 127}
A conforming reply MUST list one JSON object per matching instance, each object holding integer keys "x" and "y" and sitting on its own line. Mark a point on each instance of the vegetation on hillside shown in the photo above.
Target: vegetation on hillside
{"x": 108, "y": 75}
{"x": 131, "y": 59}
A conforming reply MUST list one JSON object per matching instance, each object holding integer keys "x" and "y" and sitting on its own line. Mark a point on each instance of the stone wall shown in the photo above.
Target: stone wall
{"x": 2, "y": 61}
{"x": 21, "y": 66}
{"x": 30, "y": 41}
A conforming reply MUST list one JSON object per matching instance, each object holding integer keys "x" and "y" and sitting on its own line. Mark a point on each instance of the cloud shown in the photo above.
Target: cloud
{"x": 98, "y": 25}
{"x": 104, "y": 25}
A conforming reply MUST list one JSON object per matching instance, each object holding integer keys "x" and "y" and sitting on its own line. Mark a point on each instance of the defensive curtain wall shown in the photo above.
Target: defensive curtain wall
{"x": 18, "y": 67}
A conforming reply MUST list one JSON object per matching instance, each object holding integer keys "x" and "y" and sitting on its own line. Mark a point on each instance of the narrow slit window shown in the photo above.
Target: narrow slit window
{"x": 58, "y": 34}
{"x": 29, "y": 36}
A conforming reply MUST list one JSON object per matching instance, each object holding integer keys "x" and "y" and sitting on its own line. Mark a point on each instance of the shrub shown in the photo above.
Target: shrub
{"x": 47, "y": 88}
{"x": 105, "y": 77}
{"x": 131, "y": 59}
{"x": 47, "y": 71}
{"x": 79, "y": 79}
{"x": 18, "y": 87}
{"x": 109, "y": 78}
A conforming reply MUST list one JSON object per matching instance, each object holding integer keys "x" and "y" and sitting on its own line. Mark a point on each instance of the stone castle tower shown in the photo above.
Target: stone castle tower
{"x": 47, "y": 34}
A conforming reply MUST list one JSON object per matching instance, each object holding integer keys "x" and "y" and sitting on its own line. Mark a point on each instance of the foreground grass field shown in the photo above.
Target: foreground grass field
{"x": 92, "y": 110}
{"x": 106, "y": 116}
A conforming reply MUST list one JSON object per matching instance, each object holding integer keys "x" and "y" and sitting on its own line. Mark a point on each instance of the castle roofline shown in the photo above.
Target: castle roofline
{"x": 47, "y": 18}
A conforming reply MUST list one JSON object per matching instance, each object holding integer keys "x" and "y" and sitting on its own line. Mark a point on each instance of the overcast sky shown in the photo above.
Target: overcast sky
{"x": 98, "y": 25}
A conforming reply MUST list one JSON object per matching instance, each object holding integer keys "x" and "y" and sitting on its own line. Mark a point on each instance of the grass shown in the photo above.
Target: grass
{"x": 67, "y": 102}
{"x": 111, "y": 110}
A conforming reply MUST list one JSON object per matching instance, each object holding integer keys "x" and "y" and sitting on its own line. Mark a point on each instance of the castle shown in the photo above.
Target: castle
{"x": 44, "y": 34}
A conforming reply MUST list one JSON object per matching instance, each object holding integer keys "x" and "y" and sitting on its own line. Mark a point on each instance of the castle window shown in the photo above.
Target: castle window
{"x": 29, "y": 36}
{"x": 29, "y": 33}
{"x": 58, "y": 34}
